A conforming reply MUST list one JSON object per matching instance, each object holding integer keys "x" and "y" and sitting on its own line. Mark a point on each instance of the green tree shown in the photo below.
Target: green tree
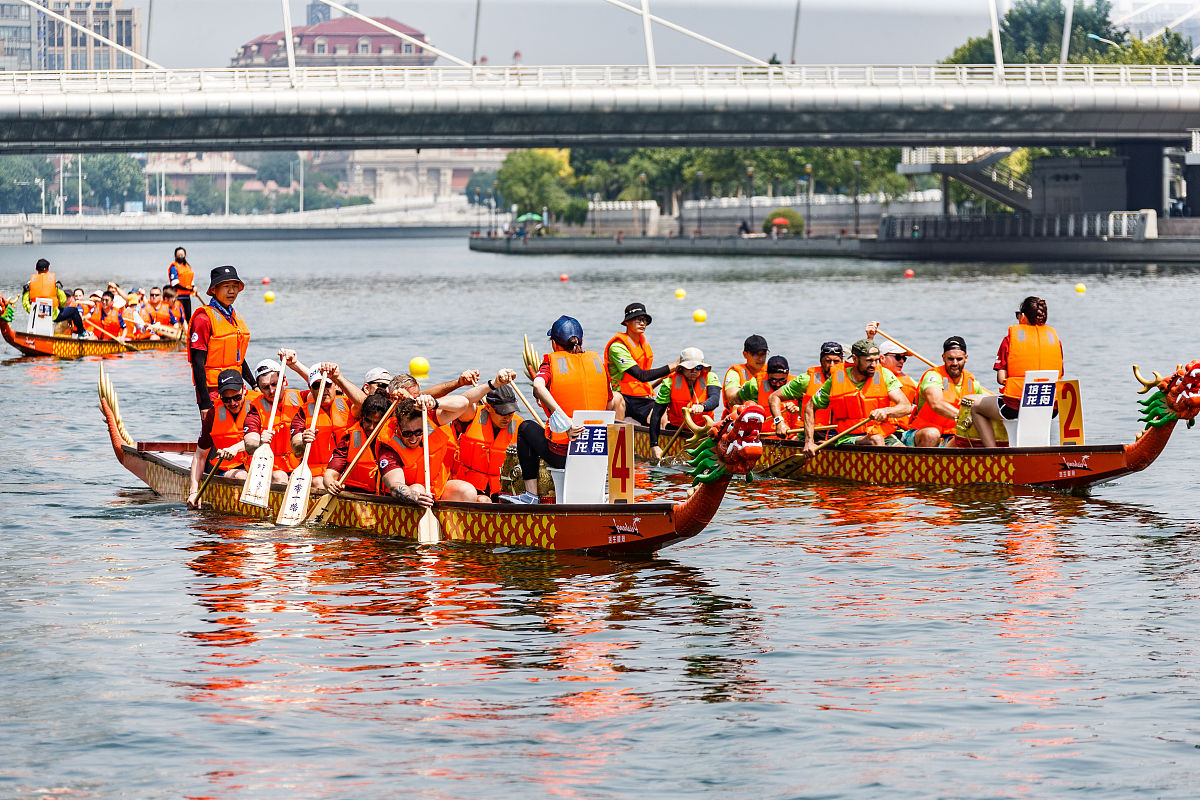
{"x": 275, "y": 166}
{"x": 112, "y": 179}
{"x": 795, "y": 224}
{"x": 19, "y": 189}
{"x": 533, "y": 179}
{"x": 481, "y": 180}
{"x": 203, "y": 197}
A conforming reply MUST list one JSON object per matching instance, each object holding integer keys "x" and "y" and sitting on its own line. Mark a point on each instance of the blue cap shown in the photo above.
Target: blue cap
{"x": 564, "y": 329}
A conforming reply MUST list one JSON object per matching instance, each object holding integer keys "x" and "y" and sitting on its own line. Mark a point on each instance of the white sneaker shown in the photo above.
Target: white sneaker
{"x": 525, "y": 498}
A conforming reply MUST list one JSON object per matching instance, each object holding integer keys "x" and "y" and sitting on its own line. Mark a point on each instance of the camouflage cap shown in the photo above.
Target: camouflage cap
{"x": 864, "y": 347}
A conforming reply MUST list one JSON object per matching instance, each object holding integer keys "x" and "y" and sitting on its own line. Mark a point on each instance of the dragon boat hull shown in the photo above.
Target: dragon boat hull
{"x": 1064, "y": 468}
{"x": 32, "y": 344}
{"x": 633, "y": 528}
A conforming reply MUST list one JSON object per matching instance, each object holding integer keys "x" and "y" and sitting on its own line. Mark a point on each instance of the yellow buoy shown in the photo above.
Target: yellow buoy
{"x": 680, "y": 293}
{"x": 1079, "y": 287}
{"x": 418, "y": 367}
{"x": 268, "y": 297}
{"x": 700, "y": 316}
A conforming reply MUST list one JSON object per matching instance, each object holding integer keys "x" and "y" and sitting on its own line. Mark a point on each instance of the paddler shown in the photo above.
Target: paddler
{"x": 171, "y": 298}
{"x": 365, "y": 475}
{"x": 401, "y": 457}
{"x": 631, "y": 369}
{"x": 939, "y": 396}
{"x": 763, "y": 389}
{"x": 266, "y": 377}
{"x": 694, "y": 387}
{"x": 893, "y": 357}
{"x": 221, "y": 431}
{"x": 1030, "y": 345}
{"x": 44, "y": 285}
{"x": 158, "y": 310}
{"x": 181, "y": 276}
{"x": 483, "y": 445}
{"x": 860, "y": 391}
{"x": 219, "y": 336}
{"x": 754, "y": 350}
{"x": 333, "y": 421}
{"x": 802, "y": 388}
{"x": 108, "y": 319}
{"x": 570, "y": 379}
{"x": 445, "y": 408}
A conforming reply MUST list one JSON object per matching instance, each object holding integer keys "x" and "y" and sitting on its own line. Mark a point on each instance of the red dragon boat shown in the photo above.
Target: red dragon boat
{"x": 720, "y": 451}
{"x": 1069, "y": 468}
{"x": 33, "y": 344}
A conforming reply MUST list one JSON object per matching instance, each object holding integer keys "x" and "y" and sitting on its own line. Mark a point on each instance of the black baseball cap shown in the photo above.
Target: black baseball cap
{"x": 777, "y": 364}
{"x": 229, "y": 379}
{"x": 754, "y": 343}
{"x": 832, "y": 349}
{"x": 635, "y": 310}
{"x": 502, "y": 399}
{"x": 954, "y": 343}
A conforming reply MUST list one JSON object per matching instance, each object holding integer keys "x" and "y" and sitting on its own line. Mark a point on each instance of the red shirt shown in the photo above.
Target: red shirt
{"x": 341, "y": 456}
{"x": 205, "y": 442}
{"x": 201, "y": 330}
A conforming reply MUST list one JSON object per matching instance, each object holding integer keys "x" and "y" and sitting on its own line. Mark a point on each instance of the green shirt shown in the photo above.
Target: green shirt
{"x": 748, "y": 393}
{"x": 890, "y": 383}
{"x": 619, "y": 362}
{"x": 663, "y": 398}
{"x": 796, "y": 387}
{"x": 733, "y": 380}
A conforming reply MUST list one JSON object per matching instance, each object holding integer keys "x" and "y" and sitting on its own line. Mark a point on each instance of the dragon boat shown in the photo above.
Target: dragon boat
{"x": 1067, "y": 468}
{"x": 35, "y": 344}
{"x": 718, "y": 452}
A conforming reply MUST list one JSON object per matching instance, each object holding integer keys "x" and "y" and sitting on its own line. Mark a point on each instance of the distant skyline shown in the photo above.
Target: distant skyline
{"x": 206, "y": 33}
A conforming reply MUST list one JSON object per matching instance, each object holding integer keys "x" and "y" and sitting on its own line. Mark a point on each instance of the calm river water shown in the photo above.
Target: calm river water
{"x": 819, "y": 640}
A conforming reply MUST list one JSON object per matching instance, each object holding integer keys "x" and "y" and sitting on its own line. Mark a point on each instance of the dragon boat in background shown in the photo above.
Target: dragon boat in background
{"x": 1071, "y": 468}
{"x": 35, "y": 344}
{"x": 718, "y": 453}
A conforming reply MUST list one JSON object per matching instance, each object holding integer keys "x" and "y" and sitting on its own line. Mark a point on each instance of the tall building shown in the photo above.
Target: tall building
{"x": 33, "y": 41}
{"x": 18, "y": 41}
{"x": 341, "y": 42}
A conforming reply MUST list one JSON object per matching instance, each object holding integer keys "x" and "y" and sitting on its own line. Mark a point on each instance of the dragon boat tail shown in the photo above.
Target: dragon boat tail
{"x": 34, "y": 344}
{"x": 1068, "y": 468}
{"x": 718, "y": 453}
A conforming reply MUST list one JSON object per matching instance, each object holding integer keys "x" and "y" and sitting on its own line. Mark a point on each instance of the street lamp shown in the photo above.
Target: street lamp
{"x": 699, "y": 202}
{"x": 1109, "y": 42}
{"x": 595, "y": 209}
{"x": 857, "y": 171}
{"x": 495, "y": 205}
{"x": 642, "y": 201}
{"x": 808, "y": 193}
{"x": 491, "y": 199}
{"x": 478, "y": 211}
{"x": 750, "y": 196}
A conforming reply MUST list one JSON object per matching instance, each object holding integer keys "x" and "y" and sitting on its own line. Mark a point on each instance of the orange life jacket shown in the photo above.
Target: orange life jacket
{"x": 227, "y": 430}
{"x": 364, "y": 476}
{"x": 482, "y": 450}
{"x": 43, "y": 286}
{"x": 926, "y": 417}
{"x": 790, "y": 418}
{"x": 441, "y": 456}
{"x": 332, "y": 424}
{"x": 185, "y": 282}
{"x": 816, "y": 379}
{"x": 578, "y": 382}
{"x": 848, "y": 404}
{"x": 160, "y": 314}
{"x": 909, "y": 387}
{"x": 1030, "y": 347}
{"x": 226, "y": 345}
{"x": 682, "y": 396}
{"x": 281, "y": 445}
{"x": 177, "y": 310}
{"x": 744, "y": 373}
{"x": 643, "y": 355}
{"x": 110, "y": 323}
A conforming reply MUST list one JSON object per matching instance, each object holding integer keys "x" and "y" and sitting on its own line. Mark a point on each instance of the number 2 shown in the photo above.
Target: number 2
{"x": 1070, "y": 396}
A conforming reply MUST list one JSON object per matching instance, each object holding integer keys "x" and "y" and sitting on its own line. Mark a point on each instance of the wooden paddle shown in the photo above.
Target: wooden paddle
{"x": 321, "y": 511}
{"x": 670, "y": 442}
{"x": 793, "y": 464}
{"x": 429, "y": 530}
{"x": 200, "y": 494}
{"x": 916, "y": 355}
{"x": 295, "y": 503}
{"x": 257, "y": 489}
{"x": 166, "y": 331}
{"x": 128, "y": 347}
{"x": 536, "y": 416}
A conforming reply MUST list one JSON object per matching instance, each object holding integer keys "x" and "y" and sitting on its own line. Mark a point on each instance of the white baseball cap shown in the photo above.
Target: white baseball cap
{"x": 265, "y": 367}
{"x": 377, "y": 374}
{"x": 314, "y": 375}
{"x": 692, "y": 357}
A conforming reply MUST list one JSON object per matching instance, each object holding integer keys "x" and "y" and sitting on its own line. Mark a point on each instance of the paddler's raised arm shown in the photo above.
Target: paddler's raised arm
{"x": 354, "y": 393}
{"x": 472, "y": 397}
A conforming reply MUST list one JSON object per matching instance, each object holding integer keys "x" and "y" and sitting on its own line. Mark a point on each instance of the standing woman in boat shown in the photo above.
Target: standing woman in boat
{"x": 1031, "y": 344}
{"x": 631, "y": 370}
{"x": 181, "y": 276}
{"x": 570, "y": 379}
{"x": 219, "y": 337}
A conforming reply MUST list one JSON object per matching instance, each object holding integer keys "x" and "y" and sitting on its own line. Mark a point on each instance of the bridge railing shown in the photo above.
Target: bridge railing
{"x": 568, "y": 77}
{"x": 1091, "y": 225}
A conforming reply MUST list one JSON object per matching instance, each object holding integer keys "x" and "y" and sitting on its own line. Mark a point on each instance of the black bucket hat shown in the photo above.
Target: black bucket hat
{"x": 635, "y": 310}
{"x": 221, "y": 275}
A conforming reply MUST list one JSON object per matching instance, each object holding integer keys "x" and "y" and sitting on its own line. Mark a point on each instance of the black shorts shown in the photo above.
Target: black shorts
{"x": 1007, "y": 411}
{"x": 639, "y": 408}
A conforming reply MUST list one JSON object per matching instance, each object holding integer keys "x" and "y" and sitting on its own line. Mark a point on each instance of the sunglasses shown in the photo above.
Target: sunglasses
{"x": 231, "y": 399}
{"x": 410, "y": 434}
{"x": 156, "y": 294}
{"x": 900, "y": 357}
{"x": 381, "y": 384}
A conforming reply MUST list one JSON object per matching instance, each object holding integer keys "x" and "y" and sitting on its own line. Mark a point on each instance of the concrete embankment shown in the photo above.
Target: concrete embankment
{"x": 51, "y": 235}
{"x": 1175, "y": 250}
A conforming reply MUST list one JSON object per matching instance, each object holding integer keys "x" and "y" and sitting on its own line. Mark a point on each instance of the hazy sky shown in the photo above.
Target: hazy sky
{"x": 206, "y": 33}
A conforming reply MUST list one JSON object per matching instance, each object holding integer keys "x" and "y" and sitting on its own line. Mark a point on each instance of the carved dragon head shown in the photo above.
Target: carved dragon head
{"x": 1176, "y": 396}
{"x": 729, "y": 447}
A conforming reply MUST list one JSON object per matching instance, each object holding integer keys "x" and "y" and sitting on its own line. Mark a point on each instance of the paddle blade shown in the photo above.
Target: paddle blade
{"x": 257, "y": 489}
{"x": 295, "y": 502}
{"x": 787, "y": 468}
{"x": 429, "y": 530}
{"x": 321, "y": 510}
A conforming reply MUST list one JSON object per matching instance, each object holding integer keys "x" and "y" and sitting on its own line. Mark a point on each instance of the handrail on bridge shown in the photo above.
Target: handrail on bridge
{"x": 559, "y": 77}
